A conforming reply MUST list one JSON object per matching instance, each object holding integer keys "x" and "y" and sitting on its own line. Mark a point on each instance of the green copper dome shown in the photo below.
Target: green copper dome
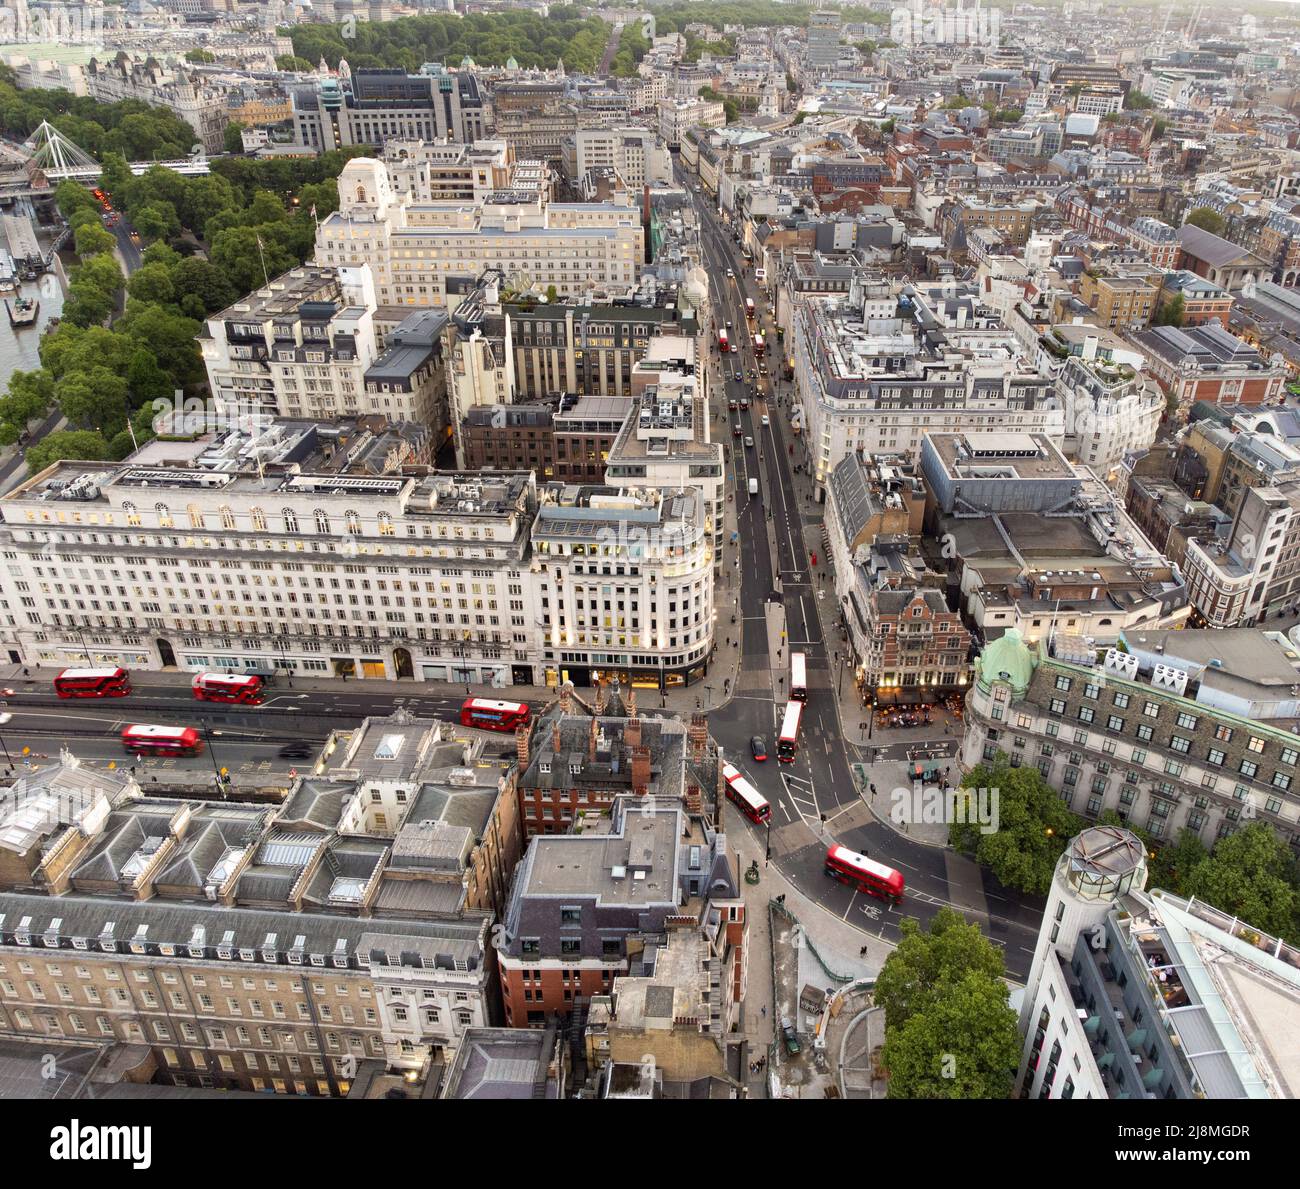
{"x": 1007, "y": 659}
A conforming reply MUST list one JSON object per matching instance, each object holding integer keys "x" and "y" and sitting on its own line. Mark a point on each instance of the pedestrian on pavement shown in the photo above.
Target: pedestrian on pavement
{"x": 862, "y": 951}
{"x": 763, "y": 1011}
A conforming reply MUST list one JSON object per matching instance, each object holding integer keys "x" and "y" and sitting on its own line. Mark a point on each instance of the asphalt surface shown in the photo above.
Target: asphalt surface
{"x": 809, "y": 794}
{"x": 244, "y": 739}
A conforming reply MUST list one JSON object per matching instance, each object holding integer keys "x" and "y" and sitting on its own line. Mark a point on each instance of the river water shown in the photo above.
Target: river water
{"x": 20, "y": 345}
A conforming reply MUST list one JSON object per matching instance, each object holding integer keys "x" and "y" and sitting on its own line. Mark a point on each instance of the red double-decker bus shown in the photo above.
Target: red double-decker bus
{"x": 722, "y": 342}
{"x": 227, "y": 687}
{"x": 752, "y": 803}
{"x": 93, "y": 683}
{"x": 150, "y": 740}
{"x": 489, "y": 715}
{"x": 760, "y": 344}
{"x": 862, "y": 873}
{"x": 749, "y": 308}
{"x": 788, "y": 741}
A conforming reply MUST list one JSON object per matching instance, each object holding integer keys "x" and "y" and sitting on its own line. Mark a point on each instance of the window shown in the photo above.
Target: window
{"x": 1186, "y": 721}
{"x": 1063, "y": 684}
{"x": 1223, "y": 734}
{"x": 1145, "y": 732}
{"x": 1121, "y": 700}
{"x": 1255, "y": 744}
{"x": 1151, "y": 710}
{"x": 1057, "y": 706}
{"x": 1248, "y": 768}
{"x": 1180, "y": 744}
{"x": 1086, "y": 714}
{"x": 1215, "y": 756}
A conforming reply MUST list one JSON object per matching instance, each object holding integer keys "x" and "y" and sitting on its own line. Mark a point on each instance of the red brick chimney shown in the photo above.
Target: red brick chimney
{"x": 521, "y": 746}
{"x": 555, "y": 737}
{"x": 632, "y": 732}
{"x": 694, "y": 799}
{"x": 591, "y": 741}
{"x": 698, "y": 733}
{"x": 631, "y": 702}
{"x": 641, "y": 771}
{"x": 600, "y": 697}
{"x": 566, "y": 697}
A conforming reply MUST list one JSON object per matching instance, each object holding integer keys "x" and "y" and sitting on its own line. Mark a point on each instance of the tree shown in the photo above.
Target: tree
{"x": 157, "y": 220}
{"x": 1207, "y": 220}
{"x": 232, "y": 140}
{"x": 30, "y": 396}
{"x": 87, "y": 304}
{"x": 1252, "y": 875}
{"x": 205, "y": 197}
{"x": 92, "y": 238}
{"x": 1172, "y": 312}
{"x": 294, "y": 64}
{"x": 950, "y": 1031}
{"x": 966, "y": 1046}
{"x": 199, "y": 56}
{"x": 1173, "y": 864}
{"x": 203, "y": 280}
{"x": 1138, "y": 101}
{"x": 152, "y": 283}
{"x": 235, "y": 252}
{"x": 925, "y": 965}
{"x": 1034, "y": 826}
{"x": 102, "y": 271}
{"x": 68, "y": 443}
{"x": 94, "y": 400}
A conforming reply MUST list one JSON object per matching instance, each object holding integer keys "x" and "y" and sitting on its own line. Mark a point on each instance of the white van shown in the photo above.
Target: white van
{"x": 753, "y": 487}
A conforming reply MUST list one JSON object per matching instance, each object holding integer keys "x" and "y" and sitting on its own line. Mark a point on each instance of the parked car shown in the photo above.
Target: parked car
{"x": 758, "y": 748}
{"x": 296, "y": 751}
{"x": 790, "y": 1037}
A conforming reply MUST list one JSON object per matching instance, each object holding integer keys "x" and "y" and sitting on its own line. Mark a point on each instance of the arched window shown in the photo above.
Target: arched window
{"x": 322, "y": 521}
{"x": 259, "y": 520}
{"x": 353, "y": 522}
{"x": 385, "y": 524}
{"x": 227, "y": 516}
{"x": 361, "y": 193}
{"x": 164, "y": 516}
{"x": 290, "y": 520}
{"x": 196, "y": 516}
{"x": 132, "y": 514}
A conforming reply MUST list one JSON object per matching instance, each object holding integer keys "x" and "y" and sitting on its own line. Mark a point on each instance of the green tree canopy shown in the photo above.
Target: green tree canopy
{"x": 1033, "y": 830}
{"x": 71, "y": 443}
{"x": 950, "y": 1031}
{"x": 1207, "y": 220}
{"x": 1252, "y": 875}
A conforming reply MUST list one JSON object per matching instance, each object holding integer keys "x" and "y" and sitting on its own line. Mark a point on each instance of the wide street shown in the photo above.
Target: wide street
{"x": 815, "y": 799}
{"x": 245, "y": 740}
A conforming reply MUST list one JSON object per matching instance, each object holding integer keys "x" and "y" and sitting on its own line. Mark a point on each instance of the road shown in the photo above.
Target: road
{"x": 817, "y": 791}
{"x": 611, "y": 48}
{"x": 246, "y": 739}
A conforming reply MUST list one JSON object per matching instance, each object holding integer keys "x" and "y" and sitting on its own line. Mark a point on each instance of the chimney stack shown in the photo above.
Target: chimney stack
{"x": 698, "y": 734}
{"x": 694, "y": 799}
{"x": 600, "y": 697}
{"x": 641, "y": 771}
{"x": 555, "y": 737}
{"x": 521, "y": 746}
{"x": 591, "y": 742}
{"x": 566, "y": 697}
{"x": 632, "y": 732}
{"x": 631, "y": 702}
